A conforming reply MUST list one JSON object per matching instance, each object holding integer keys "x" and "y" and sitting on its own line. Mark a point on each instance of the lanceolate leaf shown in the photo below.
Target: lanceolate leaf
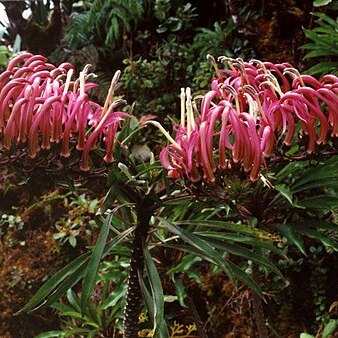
{"x": 292, "y": 237}
{"x": 54, "y": 282}
{"x": 180, "y": 291}
{"x": 94, "y": 262}
{"x": 236, "y": 271}
{"x": 324, "y": 202}
{"x": 147, "y": 298}
{"x": 243, "y": 252}
{"x": 254, "y": 242}
{"x": 50, "y": 334}
{"x": 200, "y": 244}
{"x": 205, "y": 250}
{"x": 70, "y": 281}
{"x": 285, "y": 192}
{"x": 160, "y": 328}
{"x": 228, "y": 226}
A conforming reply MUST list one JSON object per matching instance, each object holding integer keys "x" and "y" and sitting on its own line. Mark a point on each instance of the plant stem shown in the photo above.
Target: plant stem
{"x": 133, "y": 301}
{"x": 258, "y": 311}
{"x": 144, "y": 210}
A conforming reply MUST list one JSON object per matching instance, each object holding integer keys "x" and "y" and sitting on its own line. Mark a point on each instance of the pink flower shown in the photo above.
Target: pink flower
{"x": 40, "y": 104}
{"x": 248, "y": 109}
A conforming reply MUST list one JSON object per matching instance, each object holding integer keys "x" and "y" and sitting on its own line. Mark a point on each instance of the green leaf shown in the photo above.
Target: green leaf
{"x": 72, "y": 241}
{"x": 289, "y": 233}
{"x": 322, "y": 67}
{"x": 147, "y": 298}
{"x": 254, "y": 242}
{"x": 330, "y": 328}
{"x": 203, "y": 249}
{"x": 78, "y": 331}
{"x": 320, "y": 52}
{"x": 118, "y": 293}
{"x": 318, "y": 3}
{"x": 49, "y": 334}
{"x": 244, "y": 252}
{"x": 73, "y": 300}
{"x": 229, "y": 226}
{"x": 61, "y": 307}
{"x": 326, "y": 18}
{"x": 160, "y": 328}
{"x": 323, "y": 171}
{"x": 320, "y": 202}
{"x": 180, "y": 291}
{"x": 69, "y": 282}
{"x": 285, "y": 192}
{"x": 53, "y": 282}
{"x": 185, "y": 264}
{"x": 94, "y": 262}
{"x": 199, "y": 244}
{"x": 110, "y": 197}
{"x": 306, "y": 335}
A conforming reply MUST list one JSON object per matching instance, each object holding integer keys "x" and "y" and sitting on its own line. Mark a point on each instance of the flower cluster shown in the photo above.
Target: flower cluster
{"x": 40, "y": 104}
{"x": 251, "y": 106}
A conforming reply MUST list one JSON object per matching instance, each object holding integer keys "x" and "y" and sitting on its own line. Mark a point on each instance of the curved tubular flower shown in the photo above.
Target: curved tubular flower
{"x": 40, "y": 104}
{"x": 250, "y": 107}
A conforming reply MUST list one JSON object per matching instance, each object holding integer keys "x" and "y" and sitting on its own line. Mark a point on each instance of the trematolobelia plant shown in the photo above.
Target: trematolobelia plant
{"x": 40, "y": 104}
{"x": 251, "y": 108}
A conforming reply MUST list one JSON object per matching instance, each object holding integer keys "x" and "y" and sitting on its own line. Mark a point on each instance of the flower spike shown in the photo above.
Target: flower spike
{"x": 40, "y": 104}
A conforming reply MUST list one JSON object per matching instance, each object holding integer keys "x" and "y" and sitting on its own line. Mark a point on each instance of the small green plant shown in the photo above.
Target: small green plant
{"x": 182, "y": 19}
{"x": 11, "y": 221}
{"x": 111, "y": 20}
{"x": 79, "y": 221}
{"x": 8, "y": 223}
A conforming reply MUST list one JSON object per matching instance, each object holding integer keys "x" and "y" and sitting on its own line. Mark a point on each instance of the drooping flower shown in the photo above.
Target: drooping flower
{"x": 249, "y": 108}
{"x": 40, "y": 104}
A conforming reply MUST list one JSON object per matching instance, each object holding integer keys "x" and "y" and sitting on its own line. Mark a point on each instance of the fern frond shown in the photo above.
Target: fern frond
{"x": 112, "y": 17}
{"x": 323, "y": 46}
{"x": 77, "y": 33}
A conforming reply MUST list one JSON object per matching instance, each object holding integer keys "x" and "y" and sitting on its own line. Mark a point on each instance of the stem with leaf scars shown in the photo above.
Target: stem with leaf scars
{"x": 144, "y": 209}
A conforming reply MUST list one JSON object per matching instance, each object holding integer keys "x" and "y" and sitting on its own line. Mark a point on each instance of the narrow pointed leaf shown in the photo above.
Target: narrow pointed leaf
{"x": 229, "y": 226}
{"x": 180, "y": 291}
{"x": 230, "y": 238}
{"x": 94, "y": 262}
{"x": 244, "y": 252}
{"x": 200, "y": 244}
{"x": 160, "y": 329}
{"x": 147, "y": 298}
{"x": 292, "y": 237}
{"x": 50, "y": 286}
{"x": 330, "y": 328}
{"x": 50, "y": 334}
{"x": 236, "y": 271}
{"x": 285, "y": 192}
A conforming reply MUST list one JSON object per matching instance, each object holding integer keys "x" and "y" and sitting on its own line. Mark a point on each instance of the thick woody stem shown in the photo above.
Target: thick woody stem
{"x": 133, "y": 301}
{"x": 144, "y": 208}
